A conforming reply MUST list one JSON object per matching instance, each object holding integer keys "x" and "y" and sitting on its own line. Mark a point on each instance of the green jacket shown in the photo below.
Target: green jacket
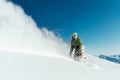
{"x": 76, "y": 44}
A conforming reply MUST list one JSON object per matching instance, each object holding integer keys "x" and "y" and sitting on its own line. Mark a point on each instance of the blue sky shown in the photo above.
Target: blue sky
{"x": 96, "y": 21}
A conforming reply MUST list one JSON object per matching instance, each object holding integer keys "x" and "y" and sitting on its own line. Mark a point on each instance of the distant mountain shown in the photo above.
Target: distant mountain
{"x": 112, "y": 58}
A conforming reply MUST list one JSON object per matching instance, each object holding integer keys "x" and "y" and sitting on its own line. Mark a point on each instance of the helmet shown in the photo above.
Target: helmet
{"x": 74, "y": 34}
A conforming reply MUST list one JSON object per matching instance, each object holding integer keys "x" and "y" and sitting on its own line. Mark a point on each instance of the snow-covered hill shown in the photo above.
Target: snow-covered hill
{"x": 18, "y": 66}
{"x": 112, "y": 58}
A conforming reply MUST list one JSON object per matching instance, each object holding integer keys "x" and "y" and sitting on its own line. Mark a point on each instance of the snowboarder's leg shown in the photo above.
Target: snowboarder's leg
{"x": 82, "y": 52}
{"x": 76, "y": 55}
{"x": 82, "y": 55}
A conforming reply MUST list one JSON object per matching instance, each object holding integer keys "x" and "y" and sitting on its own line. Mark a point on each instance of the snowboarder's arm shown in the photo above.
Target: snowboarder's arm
{"x": 80, "y": 44}
{"x": 71, "y": 49}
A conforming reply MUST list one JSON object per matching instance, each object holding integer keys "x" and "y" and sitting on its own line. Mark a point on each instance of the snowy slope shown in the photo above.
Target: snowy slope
{"x": 18, "y": 66}
{"x": 112, "y": 58}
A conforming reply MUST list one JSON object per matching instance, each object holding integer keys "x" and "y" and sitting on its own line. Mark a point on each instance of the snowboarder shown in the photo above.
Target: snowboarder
{"x": 76, "y": 43}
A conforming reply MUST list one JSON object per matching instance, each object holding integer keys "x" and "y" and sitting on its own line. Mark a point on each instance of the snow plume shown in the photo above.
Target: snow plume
{"x": 19, "y": 32}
